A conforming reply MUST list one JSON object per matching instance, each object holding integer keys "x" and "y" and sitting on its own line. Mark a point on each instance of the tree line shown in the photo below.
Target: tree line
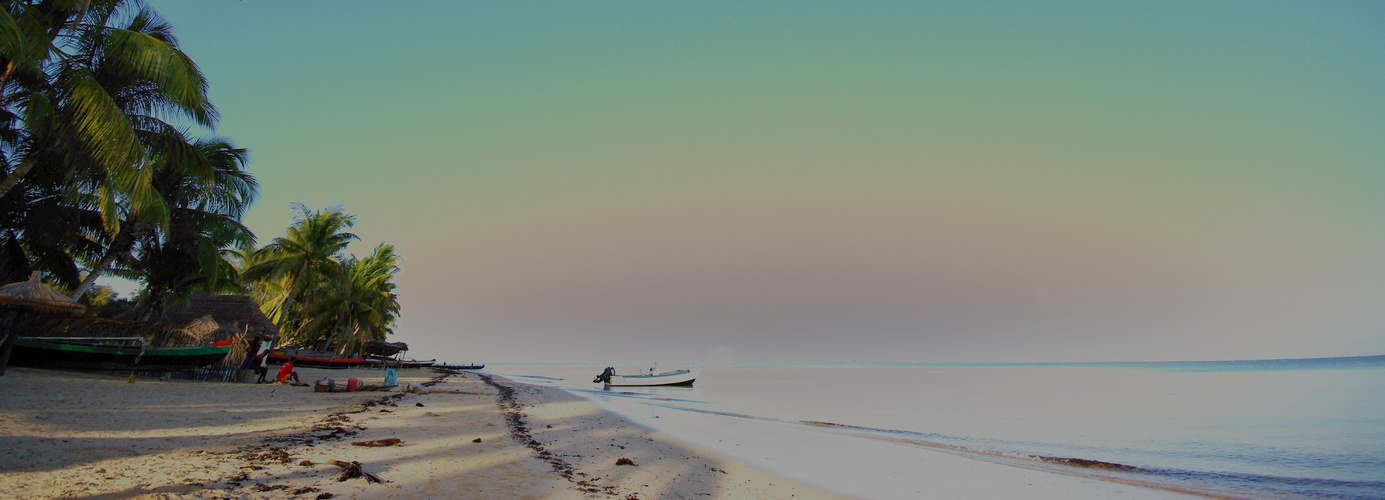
{"x": 101, "y": 177}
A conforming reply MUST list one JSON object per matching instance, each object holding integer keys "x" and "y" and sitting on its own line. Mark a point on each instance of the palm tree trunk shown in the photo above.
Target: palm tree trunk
{"x": 122, "y": 244}
{"x": 283, "y": 316}
{"x": 15, "y": 176}
{"x": 9, "y": 69}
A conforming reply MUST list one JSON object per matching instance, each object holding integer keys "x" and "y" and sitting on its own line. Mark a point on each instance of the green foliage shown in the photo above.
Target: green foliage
{"x": 191, "y": 254}
{"x": 103, "y": 302}
{"x": 94, "y": 177}
{"x": 96, "y": 180}
{"x": 88, "y": 81}
{"x": 320, "y": 297}
{"x": 360, "y": 307}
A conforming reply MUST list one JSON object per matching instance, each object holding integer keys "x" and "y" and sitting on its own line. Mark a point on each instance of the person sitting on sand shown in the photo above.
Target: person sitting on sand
{"x": 262, "y": 365}
{"x": 287, "y": 372}
{"x": 257, "y": 363}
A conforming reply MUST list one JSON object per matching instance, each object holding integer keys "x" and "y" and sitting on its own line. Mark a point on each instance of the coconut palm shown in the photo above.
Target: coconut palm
{"x": 85, "y": 79}
{"x": 359, "y": 307}
{"x": 208, "y": 210}
{"x": 309, "y": 254}
{"x": 204, "y": 231}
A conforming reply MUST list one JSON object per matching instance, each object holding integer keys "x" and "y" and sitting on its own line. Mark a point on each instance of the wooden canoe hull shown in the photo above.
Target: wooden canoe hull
{"x": 43, "y": 354}
{"x": 309, "y": 359}
{"x": 458, "y": 367}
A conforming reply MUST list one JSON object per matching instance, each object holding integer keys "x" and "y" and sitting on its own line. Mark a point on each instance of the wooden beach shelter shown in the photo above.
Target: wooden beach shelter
{"x": 18, "y": 298}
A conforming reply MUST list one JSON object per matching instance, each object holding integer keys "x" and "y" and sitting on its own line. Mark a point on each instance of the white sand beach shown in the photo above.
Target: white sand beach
{"x": 77, "y": 435}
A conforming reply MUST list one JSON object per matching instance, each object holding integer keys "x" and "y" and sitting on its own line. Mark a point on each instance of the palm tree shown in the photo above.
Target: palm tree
{"x": 309, "y": 254}
{"x": 360, "y": 307}
{"x": 85, "y": 79}
{"x": 191, "y": 254}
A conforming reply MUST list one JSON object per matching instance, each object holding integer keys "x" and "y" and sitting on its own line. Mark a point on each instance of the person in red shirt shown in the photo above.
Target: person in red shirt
{"x": 286, "y": 372}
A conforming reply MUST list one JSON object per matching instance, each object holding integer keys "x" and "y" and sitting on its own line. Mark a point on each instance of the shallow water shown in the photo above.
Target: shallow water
{"x": 1291, "y": 429}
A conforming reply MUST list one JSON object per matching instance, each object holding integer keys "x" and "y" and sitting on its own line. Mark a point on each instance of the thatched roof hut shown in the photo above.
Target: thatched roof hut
{"x": 379, "y": 348}
{"x": 235, "y": 313}
{"x": 33, "y": 295}
{"x": 25, "y": 296}
{"x": 203, "y": 320}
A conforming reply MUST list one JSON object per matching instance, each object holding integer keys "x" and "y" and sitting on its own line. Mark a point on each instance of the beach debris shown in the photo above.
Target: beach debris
{"x": 305, "y": 490}
{"x": 513, "y": 410}
{"x": 349, "y": 470}
{"x": 420, "y": 405}
{"x": 325, "y": 496}
{"x": 379, "y": 442}
{"x": 624, "y": 461}
{"x": 1090, "y": 464}
{"x": 477, "y": 440}
{"x": 261, "y": 487}
{"x": 274, "y": 455}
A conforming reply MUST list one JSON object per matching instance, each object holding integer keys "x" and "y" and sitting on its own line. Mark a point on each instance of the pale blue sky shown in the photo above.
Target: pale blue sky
{"x": 815, "y": 181}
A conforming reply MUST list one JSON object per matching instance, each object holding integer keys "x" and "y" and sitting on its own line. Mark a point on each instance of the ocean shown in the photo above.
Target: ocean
{"x": 1307, "y": 428}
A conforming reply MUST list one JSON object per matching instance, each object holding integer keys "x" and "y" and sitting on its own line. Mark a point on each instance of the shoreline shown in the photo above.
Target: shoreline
{"x": 831, "y": 457}
{"x": 71, "y": 434}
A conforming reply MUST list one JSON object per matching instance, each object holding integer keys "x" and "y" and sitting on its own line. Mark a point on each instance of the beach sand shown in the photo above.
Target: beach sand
{"x": 77, "y": 435}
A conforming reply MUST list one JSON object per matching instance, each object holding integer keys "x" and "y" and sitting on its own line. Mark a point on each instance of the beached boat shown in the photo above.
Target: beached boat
{"x": 90, "y": 353}
{"x": 315, "y": 359}
{"x": 458, "y": 367}
{"x": 674, "y": 377}
{"x": 402, "y": 364}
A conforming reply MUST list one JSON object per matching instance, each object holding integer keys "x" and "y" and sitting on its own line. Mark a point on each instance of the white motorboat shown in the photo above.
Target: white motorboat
{"x": 649, "y": 377}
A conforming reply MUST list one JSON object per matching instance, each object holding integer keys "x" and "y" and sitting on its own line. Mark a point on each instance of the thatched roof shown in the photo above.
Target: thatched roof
{"x": 383, "y": 348}
{"x": 236, "y": 313}
{"x": 36, "y": 296}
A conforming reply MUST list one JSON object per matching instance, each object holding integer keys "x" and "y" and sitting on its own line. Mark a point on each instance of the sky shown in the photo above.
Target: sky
{"x": 830, "y": 182}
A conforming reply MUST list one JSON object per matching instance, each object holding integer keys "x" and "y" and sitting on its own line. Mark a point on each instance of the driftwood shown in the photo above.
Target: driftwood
{"x": 379, "y": 442}
{"x": 348, "y": 470}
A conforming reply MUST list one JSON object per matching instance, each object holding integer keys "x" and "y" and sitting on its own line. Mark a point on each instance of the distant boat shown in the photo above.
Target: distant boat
{"x": 315, "y": 359}
{"x": 675, "y": 377}
{"x": 458, "y": 367}
{"x": 103, "y": 354}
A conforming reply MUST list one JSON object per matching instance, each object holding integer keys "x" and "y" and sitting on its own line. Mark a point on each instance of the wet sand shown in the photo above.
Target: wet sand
{"x": 79, "y": 435}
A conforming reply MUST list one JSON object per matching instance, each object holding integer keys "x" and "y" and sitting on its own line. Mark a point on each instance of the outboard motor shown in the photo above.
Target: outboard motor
{"x": 605, "y": 376}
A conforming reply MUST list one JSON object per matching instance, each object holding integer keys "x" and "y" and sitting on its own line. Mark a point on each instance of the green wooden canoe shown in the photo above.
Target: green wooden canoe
{"x": 55, "y": 352}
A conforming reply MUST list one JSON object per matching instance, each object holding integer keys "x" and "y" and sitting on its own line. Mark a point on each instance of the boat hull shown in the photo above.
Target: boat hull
{"x": 42, "y": 354}
{"x": 679, "y": 377}
{"x": 314, "y": 360}
{"x": 400, "y": 364}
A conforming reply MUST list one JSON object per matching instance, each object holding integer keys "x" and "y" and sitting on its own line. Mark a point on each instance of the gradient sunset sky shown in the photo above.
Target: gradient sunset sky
{"x": 849, "y": 181}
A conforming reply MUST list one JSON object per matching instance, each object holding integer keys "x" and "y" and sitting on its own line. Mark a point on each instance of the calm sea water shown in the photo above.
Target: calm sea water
{"x": 1257, "y": 429}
